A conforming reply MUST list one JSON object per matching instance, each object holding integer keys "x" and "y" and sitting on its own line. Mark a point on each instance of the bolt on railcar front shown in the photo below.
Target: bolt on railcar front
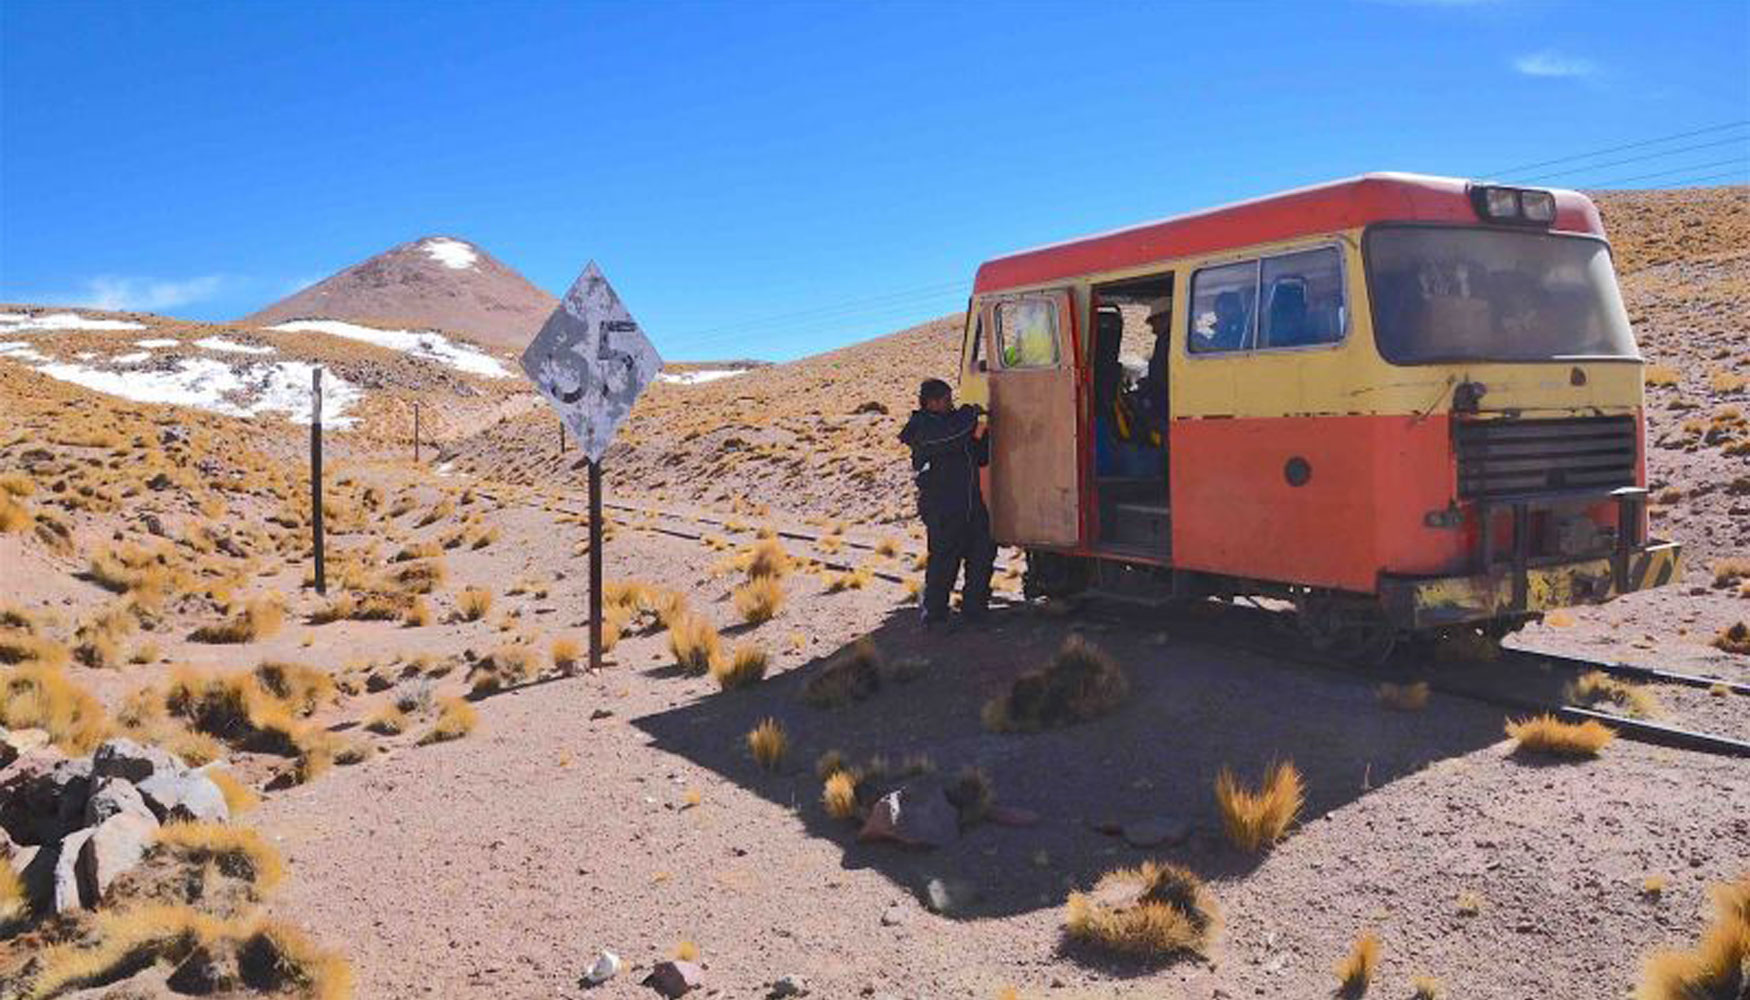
{"x": 1407, "y": 403}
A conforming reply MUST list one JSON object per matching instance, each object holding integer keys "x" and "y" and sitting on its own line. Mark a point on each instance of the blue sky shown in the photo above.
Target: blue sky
{"x": 775, "y": 180}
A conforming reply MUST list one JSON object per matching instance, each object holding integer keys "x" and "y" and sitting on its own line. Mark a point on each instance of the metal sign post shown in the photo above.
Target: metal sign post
{"x": 316, "y": 476}
{"x": 590, "y": 360}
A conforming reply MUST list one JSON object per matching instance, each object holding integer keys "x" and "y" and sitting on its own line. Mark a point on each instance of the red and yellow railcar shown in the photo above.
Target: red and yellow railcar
{"x": 1406, "y": 403}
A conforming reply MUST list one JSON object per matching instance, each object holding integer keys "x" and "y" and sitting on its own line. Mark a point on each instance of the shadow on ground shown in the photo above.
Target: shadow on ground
{"x": 1194, "y": 708}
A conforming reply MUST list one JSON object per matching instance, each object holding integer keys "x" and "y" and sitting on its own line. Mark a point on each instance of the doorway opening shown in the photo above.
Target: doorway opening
{"x": 1130, "y": 407}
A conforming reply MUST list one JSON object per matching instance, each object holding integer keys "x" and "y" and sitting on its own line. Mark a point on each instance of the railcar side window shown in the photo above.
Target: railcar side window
{"x": 1303, "y": 299}
{"x": 1224, "y": 308}
{"x": 1026, "y": 332}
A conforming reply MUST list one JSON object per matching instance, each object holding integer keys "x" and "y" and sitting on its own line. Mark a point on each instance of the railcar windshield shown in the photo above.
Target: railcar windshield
{"x": 1460, "y": 294}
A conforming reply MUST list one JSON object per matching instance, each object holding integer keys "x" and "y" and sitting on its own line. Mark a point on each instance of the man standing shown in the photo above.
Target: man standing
{"x": 948, "y": 446}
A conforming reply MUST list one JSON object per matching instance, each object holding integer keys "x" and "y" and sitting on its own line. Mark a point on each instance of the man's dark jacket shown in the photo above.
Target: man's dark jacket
{"x": 945, "y": 458}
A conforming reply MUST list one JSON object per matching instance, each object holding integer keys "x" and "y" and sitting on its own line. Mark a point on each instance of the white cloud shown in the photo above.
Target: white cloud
{"x": 1552, "y": 63}
{"x": 145, "y": 294}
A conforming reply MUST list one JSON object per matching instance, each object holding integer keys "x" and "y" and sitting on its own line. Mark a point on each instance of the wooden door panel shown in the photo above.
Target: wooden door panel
{"x": 1033, "y": 472}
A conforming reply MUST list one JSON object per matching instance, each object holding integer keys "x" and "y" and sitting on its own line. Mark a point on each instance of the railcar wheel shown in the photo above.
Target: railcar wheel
{"x": 1351, "y": 629}
{"x": 1051, "y": 574}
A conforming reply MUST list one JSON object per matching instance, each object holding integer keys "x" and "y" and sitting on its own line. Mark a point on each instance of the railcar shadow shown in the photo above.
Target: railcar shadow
{"x": 1194, "y": 708}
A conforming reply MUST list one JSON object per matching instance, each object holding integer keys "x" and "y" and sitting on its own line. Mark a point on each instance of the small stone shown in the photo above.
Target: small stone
{"x": 917, "y": 814}
{"x": 605, "y": 967}
{"x": 949, "y": 895}
{"x": 153, "y": 525}
{"x": 601, "y": 713}
{"x": 788, "y": 986}
{"x": 1155, "y": 831}
{"x": 15, "y": 743}
{"x": 676, "y": 978}
{"x": 893, "y": 916}
{"x": 158, "y": 482}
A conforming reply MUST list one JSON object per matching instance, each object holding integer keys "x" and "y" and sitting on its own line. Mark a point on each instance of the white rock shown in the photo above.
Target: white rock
{"x": 606, "y": 966}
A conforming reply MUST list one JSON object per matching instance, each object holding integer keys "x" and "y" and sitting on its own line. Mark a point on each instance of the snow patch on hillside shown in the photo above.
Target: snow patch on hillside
{"x": 157, "y": 342}
{"x": 425, "y": 344}
{"x": 209, "y": 384}
{"x": 453, "y": 254}
{"x": 19, "y": 350}
{"x": 14, "y": 322}
{"x": 221, "y": 344}
{"x": 702, "y": 375}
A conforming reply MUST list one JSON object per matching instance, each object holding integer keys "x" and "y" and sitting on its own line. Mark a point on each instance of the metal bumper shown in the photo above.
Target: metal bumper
{"x": 1431, "y": 602}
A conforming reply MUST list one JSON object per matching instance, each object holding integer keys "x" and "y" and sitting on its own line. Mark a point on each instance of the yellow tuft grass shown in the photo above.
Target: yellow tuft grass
{"x": 387, "y": 719}
{"x": 1426, "y": 988}
{"x": 759, "y": 599}
{"x": 747, "y": 665}
{"x": 1662, "y": 375}
{"x": 238, "y": 851}
{"x": 852, "y": 674}
{"x": 1156, "y": 910}
{"x": 1404, "y": 697}
{"x": 1546, "y": 734}
{"x": 1355, "y": 971}
{"x": 1718, "y": 966}
{"x": 259, "y": 619}
{"x": 1734, "y": 639}
{"x": 14, "y": 900}
{"x": 694, "y": 644}
{"x": 456, "y": 719}
{"x": 840, "y": 794}
{"x": 473, "y": 603}
{"x": 767, "y": 560}
{"x": 768, "y": 743}
{"x": 1596, "y": 687}
{"x": 567, "y": 652}
{"x": 37, "y": 695}
{"x": 418, "y": 613}
{"x": 14, "y": 516}
{"x": 239, "y": 798}
{"x": 124, "y": 939}
{"x": 304, "y": 688}
{"x": 1254, "y": 820}
{"x": 686, "y": 951}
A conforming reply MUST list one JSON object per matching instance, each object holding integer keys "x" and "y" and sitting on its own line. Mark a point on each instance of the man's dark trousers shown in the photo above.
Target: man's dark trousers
{"x": 955, "y": 540}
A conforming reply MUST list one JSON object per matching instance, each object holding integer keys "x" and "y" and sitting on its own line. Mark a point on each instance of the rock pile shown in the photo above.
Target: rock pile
{"x": 70, "y": 825}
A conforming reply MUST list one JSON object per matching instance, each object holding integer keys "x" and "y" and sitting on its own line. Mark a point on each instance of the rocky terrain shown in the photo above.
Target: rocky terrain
{"x": 778, "y": 783}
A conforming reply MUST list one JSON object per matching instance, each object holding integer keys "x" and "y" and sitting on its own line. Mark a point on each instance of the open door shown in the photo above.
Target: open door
{"x": 1035, "y": 496}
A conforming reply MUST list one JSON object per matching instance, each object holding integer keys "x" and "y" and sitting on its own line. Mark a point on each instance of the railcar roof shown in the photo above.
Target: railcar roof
{"x": 1322, "y": 208}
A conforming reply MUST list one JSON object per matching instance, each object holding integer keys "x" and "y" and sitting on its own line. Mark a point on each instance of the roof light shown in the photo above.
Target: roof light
{"x": 1506, "y": 204}
{"x": 1538, "y": 206}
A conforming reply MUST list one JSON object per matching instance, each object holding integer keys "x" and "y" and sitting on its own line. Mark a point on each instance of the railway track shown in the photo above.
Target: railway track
{"x": 1519, "y": 680}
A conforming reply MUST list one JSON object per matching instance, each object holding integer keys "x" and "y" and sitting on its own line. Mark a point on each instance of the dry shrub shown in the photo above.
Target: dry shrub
{"x": 970, "y": 793}
{"x": 694, "y": 644}
{"x": 17, "y": 484}
{"x": 830, "y": 763}
{"x": 1080, "y": 683}
{"x": 14, "y": 899}
{"x": 418, "y": 613}
{"x": 456, "y": 719}
{"x": 1404, "y": 697}
{"x": 386, "y": 720}
{"x": 506, "y": 667}
{"x": 1355, "y": 971}
{"x": 747, "y": 665}
{"x": 840, "y": 795}
{"x": 303, "y": 688}
{"x": 1156, "y": 911}
{"x": 36, "y": 695}
{"x": 1426, "y": 988}
{"x": 633, "y": 594}
{"x": 567, "y": 652}
{"x": 237, "y": 851}
{"x": 1546, "y": 734}
{"x": 1735, "y": 639}
{"x": 759, "y": 599}
{"x": 237, "y": 709}
{"x": 1595, "y": 688}
{"x": 121, "y": 942}
{"x": 768, "y": 743}
{"x": 854, "y": 579}
{"x": 421, "y": 577}
{"x": 1663, "y": 375}
{"x": 259, "y": 619}
{"x": 1730, "y": 571}
{"x": 442, "y": 509}
{"x": 338, "y": 609}
{"x": 1254, "y": 820}
{"x": 484, "y": 538}
{"x": 23, "y": 647}
{"x": 767, "y": 560}
{"x": 853, "y": 674}
{"x": 473, "y": 603}
{"x": 14, "y": 516}
{"x": 1718, "y": 966}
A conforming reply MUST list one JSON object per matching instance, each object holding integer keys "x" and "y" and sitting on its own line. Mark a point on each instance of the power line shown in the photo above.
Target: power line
{"x": 1638, "y": 159}
{"x": 1743, "y": 171}
{"x": 1615, "y": 149}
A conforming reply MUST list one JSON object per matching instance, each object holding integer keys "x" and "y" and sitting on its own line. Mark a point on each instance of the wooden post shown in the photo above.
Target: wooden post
{"x": 316, "y": 475}
{"x": 561, "y": 437}
{"x": 595, "y": 566}
{"x": 415, "y": 433}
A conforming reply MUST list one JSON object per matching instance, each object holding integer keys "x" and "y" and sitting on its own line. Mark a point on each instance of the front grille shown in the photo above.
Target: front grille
{"x": 1502, "y": 458}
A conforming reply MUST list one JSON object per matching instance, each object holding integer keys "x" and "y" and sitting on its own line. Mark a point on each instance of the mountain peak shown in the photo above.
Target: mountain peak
{"x": 439, "y": 281}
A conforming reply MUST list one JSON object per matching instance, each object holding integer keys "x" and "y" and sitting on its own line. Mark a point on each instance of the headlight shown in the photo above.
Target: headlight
{"x": 1538, "y": 206}
{"x": 1500, "y": 203}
